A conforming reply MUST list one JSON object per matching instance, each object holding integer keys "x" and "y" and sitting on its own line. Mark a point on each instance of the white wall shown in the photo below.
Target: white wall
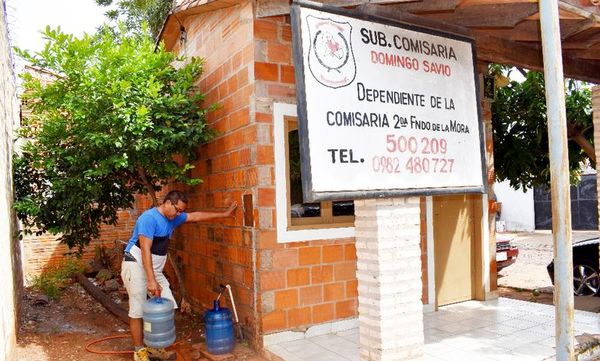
{"x": 517, "y": 208}
{"x": 8, "y": 260}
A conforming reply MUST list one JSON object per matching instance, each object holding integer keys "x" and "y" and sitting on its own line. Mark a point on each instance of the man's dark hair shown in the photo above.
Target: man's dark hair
{"x": 176, "y": 196}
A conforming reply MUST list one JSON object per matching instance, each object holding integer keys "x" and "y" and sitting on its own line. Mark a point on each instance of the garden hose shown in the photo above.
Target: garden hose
{"x": 122, "y": 352}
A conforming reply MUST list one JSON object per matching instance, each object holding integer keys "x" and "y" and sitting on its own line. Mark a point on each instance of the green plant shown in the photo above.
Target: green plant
{"x": 122, "y": 117}
{"x": 134, "y": 13}
{"x": 55, "y": 278}
{"x": 520, "y": 131}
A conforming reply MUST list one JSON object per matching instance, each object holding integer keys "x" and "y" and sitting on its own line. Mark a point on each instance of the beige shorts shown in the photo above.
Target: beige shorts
{"x": 134, "y": 279}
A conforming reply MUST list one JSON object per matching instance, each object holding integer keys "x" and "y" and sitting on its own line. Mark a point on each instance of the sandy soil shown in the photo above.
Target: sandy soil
{"x": 527, "y": 279}
{"x": 60, "y": 329}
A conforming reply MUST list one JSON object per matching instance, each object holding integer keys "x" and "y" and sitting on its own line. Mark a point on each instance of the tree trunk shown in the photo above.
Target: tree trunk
{"x": 577, "y": 136}
{"x": 185, "y": 305}
{"x": 148, "y": 185}
{"x": 103, "y": 298}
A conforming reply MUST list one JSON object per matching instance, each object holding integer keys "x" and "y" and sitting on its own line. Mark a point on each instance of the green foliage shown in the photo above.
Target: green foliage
{"x": 134, "y": 13}
{"x": 54, "y": 279}
{"x": 108, "y": 127}
{"x": 520, "y": 131}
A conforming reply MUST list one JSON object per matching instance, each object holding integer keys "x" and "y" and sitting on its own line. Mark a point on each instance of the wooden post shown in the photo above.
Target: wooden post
{"x": 559, "y": 180}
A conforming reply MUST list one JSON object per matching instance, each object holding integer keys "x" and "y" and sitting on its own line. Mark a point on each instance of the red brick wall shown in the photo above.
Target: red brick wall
{"x": 306, "y": 283}
{"x": 42, "y": 251}
{"x": 303, "y": 283}
{"x": 217, "y": 253}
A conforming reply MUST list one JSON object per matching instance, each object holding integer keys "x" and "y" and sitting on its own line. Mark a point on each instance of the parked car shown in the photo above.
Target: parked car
{"x": 506, "y": 252}
{"x": 586, "y": 281}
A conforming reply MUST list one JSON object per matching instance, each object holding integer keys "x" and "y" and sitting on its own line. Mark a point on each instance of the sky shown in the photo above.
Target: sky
{"x": 26, "y": 18}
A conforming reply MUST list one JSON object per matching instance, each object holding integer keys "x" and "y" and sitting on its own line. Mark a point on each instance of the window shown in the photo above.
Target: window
{"x": 302, "y": 214}
{"x": 298, "y": 220}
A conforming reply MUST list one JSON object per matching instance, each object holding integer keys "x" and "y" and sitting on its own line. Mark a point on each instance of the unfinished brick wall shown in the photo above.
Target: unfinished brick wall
{"x": 301, "y": 283}
{"x": 40, "y": 252}
{"x": 277, "y": 286}
{"x": 215, "y": 253}
{"x": 307, "y": 283}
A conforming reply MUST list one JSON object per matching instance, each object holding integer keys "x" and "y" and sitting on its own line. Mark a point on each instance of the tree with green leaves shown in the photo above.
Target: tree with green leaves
{"x": 134, "y": 13}
{"x": 520, "y": 131}
{"x": 119, "y": 119}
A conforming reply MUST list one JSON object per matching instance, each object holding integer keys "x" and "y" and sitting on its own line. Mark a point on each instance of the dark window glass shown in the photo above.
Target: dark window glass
{"x": 343, "y": 208}
{"x": 299, "y": 209}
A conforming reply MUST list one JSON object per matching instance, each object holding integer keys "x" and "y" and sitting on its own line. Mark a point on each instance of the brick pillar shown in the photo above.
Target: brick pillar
{"x": 486, "y": 111}
{"x": 390, "y": 311}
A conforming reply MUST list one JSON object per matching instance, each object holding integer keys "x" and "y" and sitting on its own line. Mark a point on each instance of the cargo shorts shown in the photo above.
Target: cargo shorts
{"x": 135, "y": 281}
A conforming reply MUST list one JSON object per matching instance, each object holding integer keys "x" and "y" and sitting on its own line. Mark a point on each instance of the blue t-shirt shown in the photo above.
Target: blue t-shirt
{"x": 153, "y": 225}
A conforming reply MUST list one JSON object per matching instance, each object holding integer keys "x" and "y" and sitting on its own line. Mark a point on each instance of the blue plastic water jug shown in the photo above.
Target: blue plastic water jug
{"x": 219, "y": 330}
{"x": 159, "y": 322}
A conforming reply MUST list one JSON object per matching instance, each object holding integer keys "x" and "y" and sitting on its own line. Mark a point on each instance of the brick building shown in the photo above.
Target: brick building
{"x": 295, "y": 267}
{"x": 292, "y": 266}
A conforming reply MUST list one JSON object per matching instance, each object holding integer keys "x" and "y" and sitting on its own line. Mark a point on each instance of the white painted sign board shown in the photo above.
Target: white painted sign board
{"x": 384, "y": 109}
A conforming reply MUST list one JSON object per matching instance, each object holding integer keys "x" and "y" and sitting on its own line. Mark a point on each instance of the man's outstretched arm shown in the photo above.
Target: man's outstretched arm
{"x": 210, "y": 215}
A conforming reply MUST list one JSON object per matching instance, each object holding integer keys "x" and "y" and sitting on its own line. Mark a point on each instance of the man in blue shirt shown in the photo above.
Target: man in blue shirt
{"x": 145, "y": 257}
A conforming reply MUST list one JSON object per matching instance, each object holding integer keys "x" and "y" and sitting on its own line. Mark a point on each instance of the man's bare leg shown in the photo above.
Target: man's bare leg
{"x": 137, "y": 333}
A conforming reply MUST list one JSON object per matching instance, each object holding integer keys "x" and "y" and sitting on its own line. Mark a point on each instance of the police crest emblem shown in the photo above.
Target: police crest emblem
{"x": 330, "y": 59}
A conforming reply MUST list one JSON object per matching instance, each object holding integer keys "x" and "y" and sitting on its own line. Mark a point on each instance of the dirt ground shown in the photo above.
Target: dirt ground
{"x": 61, "y": 329}
{"x": 528, "y": 278}
{"x": 582, "y": 303}
{"x": 526, "y": 295}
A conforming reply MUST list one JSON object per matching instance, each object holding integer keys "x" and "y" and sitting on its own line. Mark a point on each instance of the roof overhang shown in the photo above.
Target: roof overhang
{"x": 505, "y": 31}
{"x": 171, "y": 29}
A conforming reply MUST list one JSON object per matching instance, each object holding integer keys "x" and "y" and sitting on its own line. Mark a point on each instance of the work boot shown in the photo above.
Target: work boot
{"x": 161, "y": 354}
{"x": 141, "y": 355}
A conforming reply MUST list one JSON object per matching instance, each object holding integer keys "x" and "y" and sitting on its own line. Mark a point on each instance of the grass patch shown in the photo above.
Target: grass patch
{"x": 55, "y": 278}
